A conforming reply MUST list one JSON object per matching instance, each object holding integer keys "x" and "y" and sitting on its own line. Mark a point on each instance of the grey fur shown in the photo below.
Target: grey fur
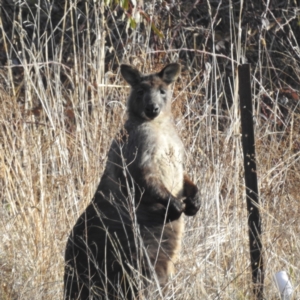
{"x": 134, "y": 221}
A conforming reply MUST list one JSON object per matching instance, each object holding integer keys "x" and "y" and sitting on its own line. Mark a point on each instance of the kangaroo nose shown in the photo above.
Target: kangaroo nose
{"x": 152, "y": 110}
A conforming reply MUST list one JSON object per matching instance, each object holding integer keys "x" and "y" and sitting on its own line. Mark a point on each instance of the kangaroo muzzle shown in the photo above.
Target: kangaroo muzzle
{"x": 152, "y": 110}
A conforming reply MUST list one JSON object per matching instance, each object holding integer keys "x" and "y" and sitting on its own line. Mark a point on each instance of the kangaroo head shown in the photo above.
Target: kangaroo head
{"x": 150, "y": 94}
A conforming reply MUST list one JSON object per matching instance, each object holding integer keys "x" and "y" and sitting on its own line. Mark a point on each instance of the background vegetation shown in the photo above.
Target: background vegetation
{"x": 62, "y": 100}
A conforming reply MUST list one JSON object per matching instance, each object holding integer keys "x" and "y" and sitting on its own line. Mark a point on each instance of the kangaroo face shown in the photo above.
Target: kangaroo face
{"x": 150, "y": 94}
{"x": 149, "y": 98}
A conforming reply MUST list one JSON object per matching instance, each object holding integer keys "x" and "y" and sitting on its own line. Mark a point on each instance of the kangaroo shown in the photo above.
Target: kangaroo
{"x": 134, "y": 223}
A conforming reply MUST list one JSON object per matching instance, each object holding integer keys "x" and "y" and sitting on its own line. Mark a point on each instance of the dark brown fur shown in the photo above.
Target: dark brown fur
{"x": 134, "y": 222}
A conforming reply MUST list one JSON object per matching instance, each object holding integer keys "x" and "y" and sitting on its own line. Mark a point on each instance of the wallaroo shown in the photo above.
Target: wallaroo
{"x": 130, "y": 234}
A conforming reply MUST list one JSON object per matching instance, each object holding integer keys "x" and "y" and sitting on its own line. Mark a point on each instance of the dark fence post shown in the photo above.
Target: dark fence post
{"x": 248, "y": 142}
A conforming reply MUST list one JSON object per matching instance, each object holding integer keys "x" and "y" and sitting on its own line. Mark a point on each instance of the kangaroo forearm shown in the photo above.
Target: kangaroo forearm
{"x": 156, "y": 192}
{"x": 160, "y": 194}
{"x": 192, "y": 197}
{"x": 189, "y": 188}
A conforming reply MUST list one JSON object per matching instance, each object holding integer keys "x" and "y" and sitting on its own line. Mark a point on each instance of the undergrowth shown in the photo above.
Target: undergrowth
{"x": 63, "y": 100}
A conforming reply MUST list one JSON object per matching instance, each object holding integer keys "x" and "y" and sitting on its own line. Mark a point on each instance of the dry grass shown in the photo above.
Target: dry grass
{"x": 54, "y": 136}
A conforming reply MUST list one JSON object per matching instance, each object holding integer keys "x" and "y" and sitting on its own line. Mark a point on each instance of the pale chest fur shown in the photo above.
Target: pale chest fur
{"x": 164, "y": 152}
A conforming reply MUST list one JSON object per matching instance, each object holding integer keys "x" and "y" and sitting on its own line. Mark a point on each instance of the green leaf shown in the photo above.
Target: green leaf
{"x": 156, "y": 30}
{"x": 132, "y": 23}
{"x": 125, "y": 4}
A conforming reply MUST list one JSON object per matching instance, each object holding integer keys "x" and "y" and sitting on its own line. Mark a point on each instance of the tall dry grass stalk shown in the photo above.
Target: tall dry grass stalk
{"x": 57, "y": 123}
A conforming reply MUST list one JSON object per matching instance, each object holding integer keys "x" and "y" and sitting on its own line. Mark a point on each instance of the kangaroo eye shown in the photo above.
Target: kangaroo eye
{"x": 163, "y": 92}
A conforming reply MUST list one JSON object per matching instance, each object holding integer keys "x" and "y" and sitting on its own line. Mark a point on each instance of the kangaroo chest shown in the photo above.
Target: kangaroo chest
{"x": 163, "y": 152}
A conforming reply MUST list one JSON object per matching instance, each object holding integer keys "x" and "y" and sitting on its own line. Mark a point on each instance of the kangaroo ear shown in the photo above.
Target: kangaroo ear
{"x": 130, "y": 74}
{"x": 170, "y": 73}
